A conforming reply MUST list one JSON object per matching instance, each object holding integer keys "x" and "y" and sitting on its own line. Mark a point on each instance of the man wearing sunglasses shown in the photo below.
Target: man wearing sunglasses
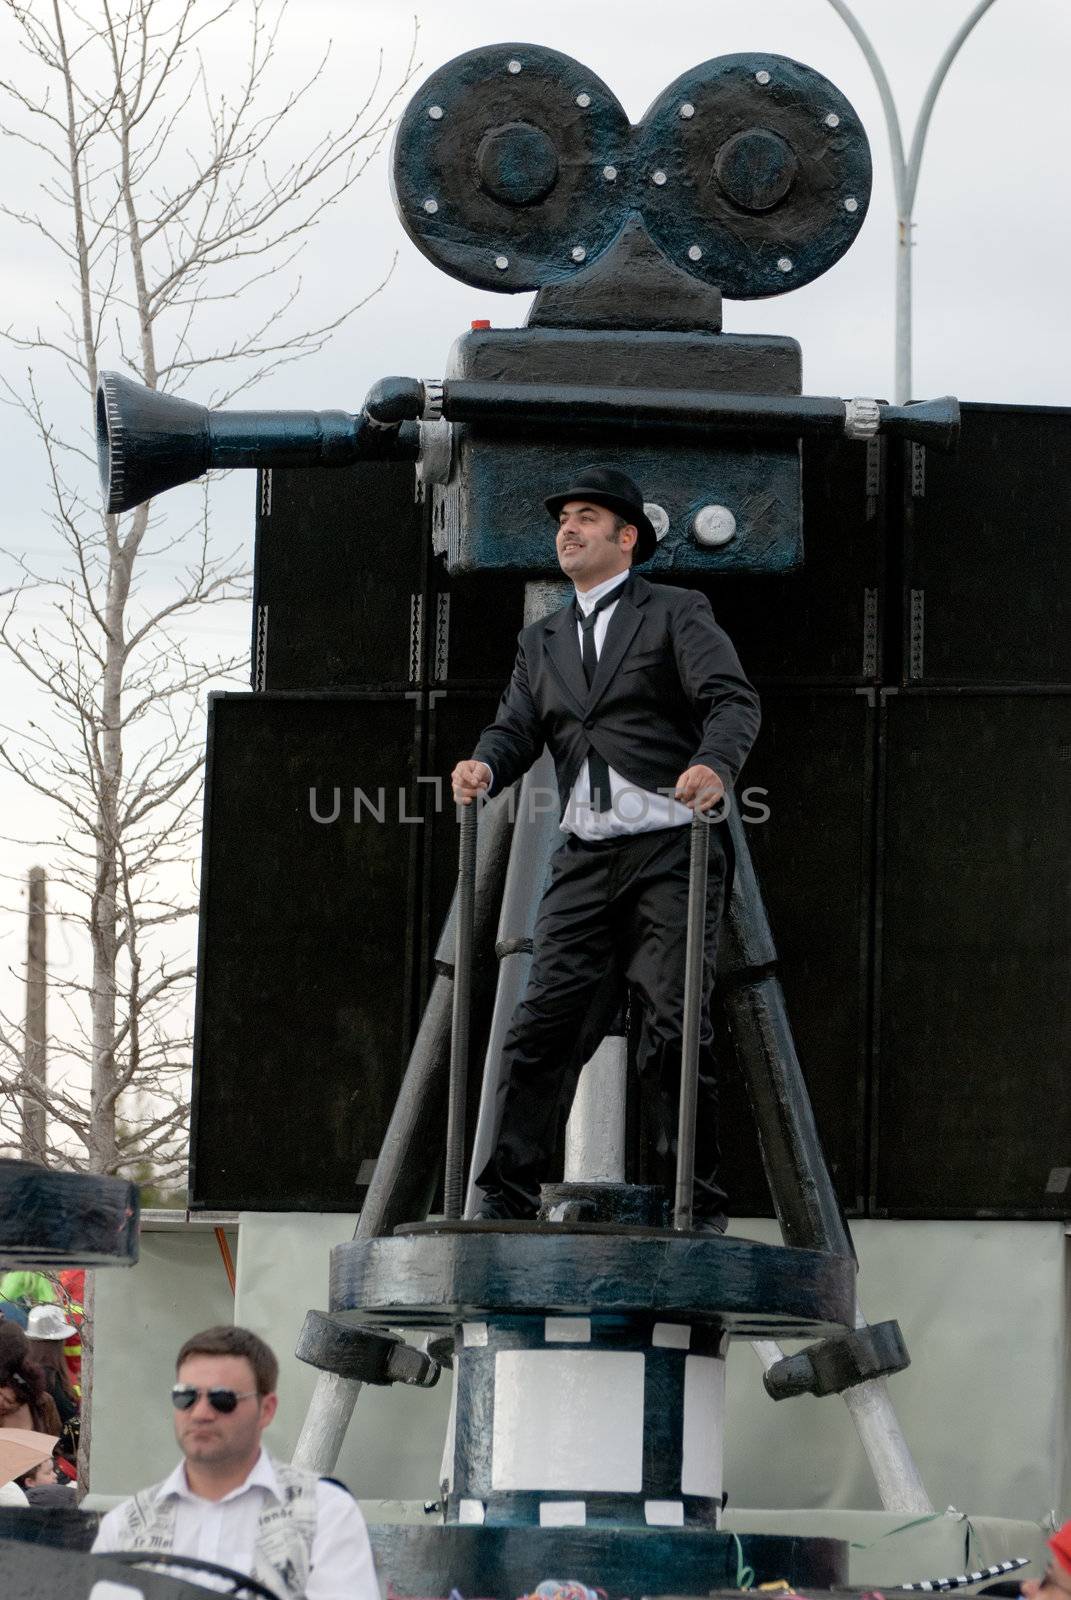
{"x": 228, "y": 1502}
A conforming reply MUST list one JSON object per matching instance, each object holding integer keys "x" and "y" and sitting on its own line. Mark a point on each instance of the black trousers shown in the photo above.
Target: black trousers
{"x": 612, "y": 909}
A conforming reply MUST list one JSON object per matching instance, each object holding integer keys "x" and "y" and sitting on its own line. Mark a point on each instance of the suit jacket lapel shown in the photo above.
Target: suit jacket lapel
{"x": 563, "y": 650}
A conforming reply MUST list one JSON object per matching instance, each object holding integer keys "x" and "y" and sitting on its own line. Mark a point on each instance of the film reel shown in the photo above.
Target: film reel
{"x": 510, "y": 167}
{"x": 753, "y": 173}
{"x": 515, "y": 167}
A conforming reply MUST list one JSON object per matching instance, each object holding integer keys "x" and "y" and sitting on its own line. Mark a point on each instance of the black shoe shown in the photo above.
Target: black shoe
{"x": 717, "y": 1223}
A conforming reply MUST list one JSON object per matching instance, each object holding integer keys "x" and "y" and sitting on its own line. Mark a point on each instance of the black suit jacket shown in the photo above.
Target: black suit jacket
{"x": 669, "y": 693}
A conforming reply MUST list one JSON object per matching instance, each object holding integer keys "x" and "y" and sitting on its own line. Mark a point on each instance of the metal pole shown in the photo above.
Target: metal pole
{"x": 906, "y": 172}
{"x": 35, "y": 1038}
{"x": 693, "y": 999}
{"x": 454, "y": 1186}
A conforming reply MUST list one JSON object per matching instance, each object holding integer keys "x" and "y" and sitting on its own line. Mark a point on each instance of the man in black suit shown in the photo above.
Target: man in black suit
{"x": 646, "y": 710}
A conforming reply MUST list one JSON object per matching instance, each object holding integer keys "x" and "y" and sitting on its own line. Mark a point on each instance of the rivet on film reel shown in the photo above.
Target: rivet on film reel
{"x": 500, "y": 167}
{"x": 753, "y": 174}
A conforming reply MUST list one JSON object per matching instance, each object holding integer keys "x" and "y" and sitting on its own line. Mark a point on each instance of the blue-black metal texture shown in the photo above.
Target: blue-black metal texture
{"x": 766, "y": 180}
{"x": 839, "y": 1363}
{"x": 663, "y": 1419}
{"x": 438, "y": 1274}
{"x": 148, "y": 441}
{"x": 66, "y": 1219}
{"x": 515, "y": 167}
{"x": 491, "y": 513}
{"x": 619, "y": 1561}
{"x": 501, "y": 157}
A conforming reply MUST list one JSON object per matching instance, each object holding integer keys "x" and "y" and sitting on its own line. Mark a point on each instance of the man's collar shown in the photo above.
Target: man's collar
{"x": 261, "y": 1476}
{"x": 591, "y": 597}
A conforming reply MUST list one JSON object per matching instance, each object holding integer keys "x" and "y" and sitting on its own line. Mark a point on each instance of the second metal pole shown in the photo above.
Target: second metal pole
{"x": 454, "y": 1183}
{"x": 693, "y": 1000}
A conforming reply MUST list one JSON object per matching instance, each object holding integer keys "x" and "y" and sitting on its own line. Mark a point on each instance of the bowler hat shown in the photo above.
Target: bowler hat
{"x": 606, "y": 486}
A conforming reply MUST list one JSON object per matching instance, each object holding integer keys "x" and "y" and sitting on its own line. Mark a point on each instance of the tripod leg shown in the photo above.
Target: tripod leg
{"x": 404, "y": 1180}
{"x": 805, "y": 1200}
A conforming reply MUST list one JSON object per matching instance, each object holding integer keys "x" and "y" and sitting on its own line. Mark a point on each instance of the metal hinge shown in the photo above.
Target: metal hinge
{"x": 265, "y": 491}
{"x": 918, "y": 471}
{"x": 918, "y": 630}
{"x": 442, "y": 639}
{"x": 870, "y": 633}
{"x": 260, "y": 654}
{"x": 416, "y": 636}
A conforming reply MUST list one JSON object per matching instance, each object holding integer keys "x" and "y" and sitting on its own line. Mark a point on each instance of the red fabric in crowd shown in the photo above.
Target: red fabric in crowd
{"x": 1060, "y": 1545}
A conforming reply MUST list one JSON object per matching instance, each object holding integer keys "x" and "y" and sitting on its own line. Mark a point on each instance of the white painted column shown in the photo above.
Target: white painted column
{"x": 595, "y": 1131}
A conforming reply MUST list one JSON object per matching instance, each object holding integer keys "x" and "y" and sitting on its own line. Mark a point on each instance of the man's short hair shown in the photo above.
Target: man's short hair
{"x": 228, "y": 1341}
{"x": 619, "y": 523}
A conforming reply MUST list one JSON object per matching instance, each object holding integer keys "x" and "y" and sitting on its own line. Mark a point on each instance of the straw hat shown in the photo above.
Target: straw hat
{"x": 21, "y": 1451}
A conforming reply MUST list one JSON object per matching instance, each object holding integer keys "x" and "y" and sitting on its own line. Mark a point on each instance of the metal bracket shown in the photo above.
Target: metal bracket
{"x": 441, "y": 668}
{"x": 918, "y": 634}
{"x": 870, "y": 633}
{"x": 862, "y": 418}
{"x": 416, "y": 636}
{"x": 367, "y": 1355}
{"x": 260, "y": 652}
{"x": 872, "y": 487}
{"x": 840, "y": 1363}
{"x": 435, "y": 457}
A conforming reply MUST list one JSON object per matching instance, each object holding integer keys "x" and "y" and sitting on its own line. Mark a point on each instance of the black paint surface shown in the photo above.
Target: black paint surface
{"x": 66, "y": 1219}
{"x": 622, "y": 1561}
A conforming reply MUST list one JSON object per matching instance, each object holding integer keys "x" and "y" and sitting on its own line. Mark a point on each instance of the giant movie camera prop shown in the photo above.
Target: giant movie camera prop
{"x": 589, "y": 1356}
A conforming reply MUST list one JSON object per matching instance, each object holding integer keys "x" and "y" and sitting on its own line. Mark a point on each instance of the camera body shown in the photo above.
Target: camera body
{"x": 745, "y": 495}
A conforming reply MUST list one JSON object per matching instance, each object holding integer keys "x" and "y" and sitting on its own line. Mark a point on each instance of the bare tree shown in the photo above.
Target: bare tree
{"x": 173, "y": 207}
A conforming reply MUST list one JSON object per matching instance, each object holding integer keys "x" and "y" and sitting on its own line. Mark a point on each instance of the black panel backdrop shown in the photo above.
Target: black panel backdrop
{"x": 306, "y": 961}
{"x": 972, "y": 1092}
{"x": 915, "y": 859}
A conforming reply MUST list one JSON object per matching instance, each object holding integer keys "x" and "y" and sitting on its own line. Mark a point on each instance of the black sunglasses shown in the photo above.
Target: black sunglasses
{"x": 184, "y": 1396}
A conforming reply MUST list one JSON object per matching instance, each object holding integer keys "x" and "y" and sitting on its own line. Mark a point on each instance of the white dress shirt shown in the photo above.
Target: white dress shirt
{"x": 225, "y": 1531}
{"x": 632, "y": 810}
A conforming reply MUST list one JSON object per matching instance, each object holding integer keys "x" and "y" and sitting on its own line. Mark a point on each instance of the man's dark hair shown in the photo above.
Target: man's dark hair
{"x": 227, "y": 1341}
{"x": 619, "y": 523}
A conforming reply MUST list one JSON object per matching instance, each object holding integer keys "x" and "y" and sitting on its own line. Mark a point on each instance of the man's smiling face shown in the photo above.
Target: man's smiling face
{"x": 591, "y": 546}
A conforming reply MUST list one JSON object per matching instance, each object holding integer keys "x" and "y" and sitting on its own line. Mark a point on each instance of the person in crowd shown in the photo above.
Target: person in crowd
{"x": 22, "y": 1456}
{"x": 42, "y": 1487}
{"x": 228, "y": 1501}
{"x": 28, "y": 1288}
{"x": 1056, "y": 1584}
{"x": 72, "y": 1283}
{"x": 47, "y": 1330}
{"x": 24, "y": 1398}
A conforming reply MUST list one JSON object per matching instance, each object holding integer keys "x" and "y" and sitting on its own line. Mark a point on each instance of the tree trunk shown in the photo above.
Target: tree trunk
{"x": 35, "y": 1048}
{"x": 85, "y": 1435}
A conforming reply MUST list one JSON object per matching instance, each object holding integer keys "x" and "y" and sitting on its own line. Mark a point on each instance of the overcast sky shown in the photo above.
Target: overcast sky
{"x": 992, "y": 220}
